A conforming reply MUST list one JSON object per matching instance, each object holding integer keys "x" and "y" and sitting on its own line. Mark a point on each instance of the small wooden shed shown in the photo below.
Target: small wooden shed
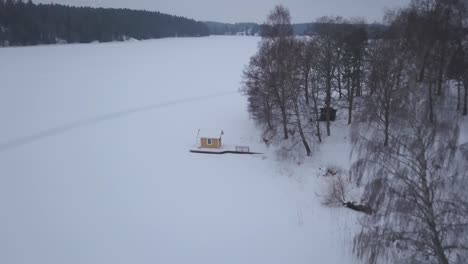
{"x": 323, "y": 114}
{"x": 211, "y": 142}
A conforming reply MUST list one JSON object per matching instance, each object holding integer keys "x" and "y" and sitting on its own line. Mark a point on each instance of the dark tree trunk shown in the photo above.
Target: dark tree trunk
{"x": 285, "y": 122}
{"x": 348, "y": 85}
{"x": 440, "y": 76}
{"x": 306, "y": 87}
{"x": 459, "y": 95}
{"x": 268, "y": 115}
{"x": 282, "y": 105}
{"x": 328, "y": 103}
{"x": 317, "y": 116}
{"x": 465, "y": 104}
{"x": 339, "y": 81}
{"x": 387, "y": 126}
{"x": 304, "y": 141}
{"x": 358, "y": 81}
{"x": 359, "y": 207}
{"x": 301, "y": 132}
{"x": 431, "y": 103}
{"x": 350, "y": 106}
{"x": 423, "y": 67}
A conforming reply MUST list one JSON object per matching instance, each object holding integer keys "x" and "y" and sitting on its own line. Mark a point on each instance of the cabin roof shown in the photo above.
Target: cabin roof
{"x": 210, "y": 133}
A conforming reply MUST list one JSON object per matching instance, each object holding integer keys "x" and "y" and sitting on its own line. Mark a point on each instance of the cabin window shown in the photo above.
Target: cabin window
{"x": 209, "y": 141}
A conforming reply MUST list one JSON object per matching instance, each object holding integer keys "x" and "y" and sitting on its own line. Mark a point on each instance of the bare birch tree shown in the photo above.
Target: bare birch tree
{"x": 409, "y": 157}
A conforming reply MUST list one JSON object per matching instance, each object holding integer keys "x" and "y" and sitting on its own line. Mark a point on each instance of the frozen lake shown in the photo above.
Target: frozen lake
{"x": 95, "y": 168}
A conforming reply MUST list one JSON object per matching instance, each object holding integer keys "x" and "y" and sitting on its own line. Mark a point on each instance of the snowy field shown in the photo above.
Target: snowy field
{"x": 95, "y": 167}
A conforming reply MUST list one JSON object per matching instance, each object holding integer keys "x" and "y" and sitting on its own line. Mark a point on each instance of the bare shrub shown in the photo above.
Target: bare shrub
{"x": 337, "y": 191}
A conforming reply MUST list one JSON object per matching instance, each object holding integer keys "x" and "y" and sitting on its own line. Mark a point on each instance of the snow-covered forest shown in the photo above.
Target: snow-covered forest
{"x": 26, "y": 23}
{"x": 404, "y": 96}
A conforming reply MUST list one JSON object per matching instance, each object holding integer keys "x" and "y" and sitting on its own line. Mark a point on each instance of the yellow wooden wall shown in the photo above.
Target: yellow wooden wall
{"x": 216, "y": 143}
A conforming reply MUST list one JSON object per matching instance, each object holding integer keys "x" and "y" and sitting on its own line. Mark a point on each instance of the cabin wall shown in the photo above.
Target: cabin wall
{"x": 216, "y": 143}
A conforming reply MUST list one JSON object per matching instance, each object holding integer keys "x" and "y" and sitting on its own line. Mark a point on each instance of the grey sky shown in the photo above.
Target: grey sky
{"x": 250, "y": 10}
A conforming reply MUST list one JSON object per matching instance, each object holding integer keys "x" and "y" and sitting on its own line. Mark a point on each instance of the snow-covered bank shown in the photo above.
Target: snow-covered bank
{"x": 126, "y": 189}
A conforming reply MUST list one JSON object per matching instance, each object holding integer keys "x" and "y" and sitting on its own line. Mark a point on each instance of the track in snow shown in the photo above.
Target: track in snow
{"x": 20, "y": 141}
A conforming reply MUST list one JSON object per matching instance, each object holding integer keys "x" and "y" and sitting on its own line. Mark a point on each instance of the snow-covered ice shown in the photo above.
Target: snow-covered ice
{"x": 95, "y": 167}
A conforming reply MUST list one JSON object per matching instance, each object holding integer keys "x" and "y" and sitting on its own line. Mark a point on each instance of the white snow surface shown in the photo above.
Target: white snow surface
{"x": 95, "y": 167}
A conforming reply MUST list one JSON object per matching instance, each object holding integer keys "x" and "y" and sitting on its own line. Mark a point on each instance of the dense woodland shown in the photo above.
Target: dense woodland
{"x": 403, "y": 93}
{"x": 25, "y": 23}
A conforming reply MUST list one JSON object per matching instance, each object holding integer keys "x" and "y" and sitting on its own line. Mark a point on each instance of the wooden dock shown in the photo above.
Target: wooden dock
{"x": 223, "y": 152}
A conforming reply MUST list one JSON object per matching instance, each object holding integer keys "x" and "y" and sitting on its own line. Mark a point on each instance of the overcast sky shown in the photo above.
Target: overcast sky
{"x": 249, "y": 10}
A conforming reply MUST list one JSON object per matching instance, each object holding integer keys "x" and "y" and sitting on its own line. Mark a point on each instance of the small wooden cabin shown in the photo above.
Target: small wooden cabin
{"x": 211, "y": 142}
{"x": 323, "y": 114}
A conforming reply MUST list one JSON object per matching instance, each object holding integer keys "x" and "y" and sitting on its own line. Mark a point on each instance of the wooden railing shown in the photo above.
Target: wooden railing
{"x": 242, "y": 149}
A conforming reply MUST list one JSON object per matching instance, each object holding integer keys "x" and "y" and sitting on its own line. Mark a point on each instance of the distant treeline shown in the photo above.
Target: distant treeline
{"x": 26, "y": 23}
{"x": 374, "y": 31}
{"x": 248, "y": 29}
